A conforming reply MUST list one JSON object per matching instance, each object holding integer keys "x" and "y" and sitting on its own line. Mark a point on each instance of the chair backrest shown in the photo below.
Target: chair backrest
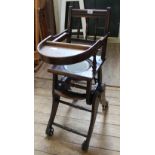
{"x": 97, "y": 25}
{"x": 98, "y": 20}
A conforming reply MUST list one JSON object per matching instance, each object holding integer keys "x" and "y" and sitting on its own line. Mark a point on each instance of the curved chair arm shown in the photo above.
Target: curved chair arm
{"x": 58, "y": 37}
{"x": 98, "y": 44}
{"x": 53, "y": 37}
{"x": 88, "y": 51}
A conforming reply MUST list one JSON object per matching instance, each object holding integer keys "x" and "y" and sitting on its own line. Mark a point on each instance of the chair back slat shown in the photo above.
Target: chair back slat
{"x": 88, "y": 12}
{"x": 95, "y": 28}
{"x": 87, "y": 29}
{"x": 97, "y": 22}
{"x": 78, "y": 30}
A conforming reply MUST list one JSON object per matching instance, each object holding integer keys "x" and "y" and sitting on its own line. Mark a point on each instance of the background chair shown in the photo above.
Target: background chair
{"x": 77, "y": 73}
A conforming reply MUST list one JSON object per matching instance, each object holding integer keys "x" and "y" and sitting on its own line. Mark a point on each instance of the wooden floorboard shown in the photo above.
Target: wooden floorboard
{"x": 41, "y": 152}
{"x": 106, "y": 135}
{"x": 97, "y": 140}
{"x": 61, "y": 147}
{"x": 111, "y": 67}
{"x": 44, "y": 104}
{"x": 82, "y": 125}
{"x": 69, "y": 112}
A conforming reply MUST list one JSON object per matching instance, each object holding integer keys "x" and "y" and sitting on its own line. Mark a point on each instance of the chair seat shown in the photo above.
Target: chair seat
{"x": 82, "y": 70}
{"x": 78, "y": 67}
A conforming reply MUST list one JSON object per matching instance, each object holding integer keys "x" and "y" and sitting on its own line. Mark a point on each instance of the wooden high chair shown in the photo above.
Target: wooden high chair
{"x": 78, "y": 66}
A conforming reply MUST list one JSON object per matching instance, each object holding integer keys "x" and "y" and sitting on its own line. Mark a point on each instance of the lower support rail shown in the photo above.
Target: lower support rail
{"x": 69, "y": 129}
{"x": 75, "y": 106}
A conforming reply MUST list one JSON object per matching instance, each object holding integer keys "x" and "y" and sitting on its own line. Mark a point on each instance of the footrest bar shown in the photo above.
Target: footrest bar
{"x": 75, "y": 106}
{"x": 69, "y": 129}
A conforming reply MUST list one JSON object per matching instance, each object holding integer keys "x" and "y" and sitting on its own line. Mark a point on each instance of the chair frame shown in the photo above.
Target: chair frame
{"x": 61, "y": 87}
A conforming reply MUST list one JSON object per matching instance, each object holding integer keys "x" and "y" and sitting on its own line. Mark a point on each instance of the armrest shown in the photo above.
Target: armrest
{"x": 98, "y": 44}
{"x": 61, "y": 37}
{"x": 57, "y": 35}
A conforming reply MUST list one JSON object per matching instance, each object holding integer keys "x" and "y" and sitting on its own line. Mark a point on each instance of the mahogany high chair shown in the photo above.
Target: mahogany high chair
{"x": 78, "y": 66}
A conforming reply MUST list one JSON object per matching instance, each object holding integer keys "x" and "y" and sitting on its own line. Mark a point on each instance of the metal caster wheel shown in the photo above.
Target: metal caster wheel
{"x": 85, "y": 146}
{"x": 49, "y": 131}
{"x": 105, "y": 106}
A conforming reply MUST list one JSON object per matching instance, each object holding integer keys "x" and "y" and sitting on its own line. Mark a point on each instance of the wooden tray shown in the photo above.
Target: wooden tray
{"x": 61, "y": 53}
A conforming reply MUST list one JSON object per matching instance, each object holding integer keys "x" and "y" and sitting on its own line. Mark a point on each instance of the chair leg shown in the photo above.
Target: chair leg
{"x": 50, "y": 129}
{"x": 102, "y": 97}
{"x": 95, "y": 103}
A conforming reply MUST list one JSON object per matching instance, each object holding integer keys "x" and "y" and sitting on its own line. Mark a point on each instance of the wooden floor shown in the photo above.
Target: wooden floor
{"x": 106, "y": 136}
{"x": 110, "y": 69}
